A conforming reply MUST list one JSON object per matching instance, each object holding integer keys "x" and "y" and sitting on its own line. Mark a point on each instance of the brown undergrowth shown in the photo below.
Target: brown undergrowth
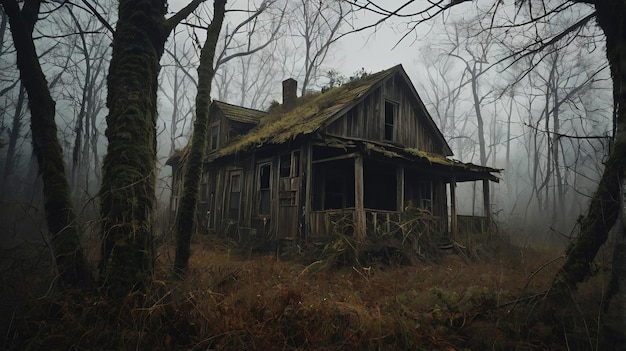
{"x": 259, "y": 302}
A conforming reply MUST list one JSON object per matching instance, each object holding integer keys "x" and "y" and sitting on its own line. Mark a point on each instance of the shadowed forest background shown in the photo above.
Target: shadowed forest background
{"x": 531, "y": 87}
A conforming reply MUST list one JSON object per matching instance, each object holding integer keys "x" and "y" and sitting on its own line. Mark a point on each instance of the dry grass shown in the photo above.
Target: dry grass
{"x": 258, "y": 302}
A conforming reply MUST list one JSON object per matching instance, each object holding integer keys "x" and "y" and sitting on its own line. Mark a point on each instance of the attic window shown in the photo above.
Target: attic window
{"x": 214, "y": 137}
{"x": 391, "y": 111}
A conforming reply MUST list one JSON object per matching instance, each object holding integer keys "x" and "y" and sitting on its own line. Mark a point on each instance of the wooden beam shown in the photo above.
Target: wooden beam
{"x": 306, "y": 155}
{"x": 342, "y": 157}
{"x": 486, "y": 200}
{"x": 400, "y": 187}
{"x": 359, "y": 211}
{"x": 454, "y": 219}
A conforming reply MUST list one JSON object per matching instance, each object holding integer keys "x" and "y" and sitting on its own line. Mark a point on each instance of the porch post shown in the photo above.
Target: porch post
{"x": 307, "y": 160}
{"x": 453, "y": 220}
{"x": 486, "y": 200}
{"x": 400, "y": 188}
{"x": 359, "y": 208}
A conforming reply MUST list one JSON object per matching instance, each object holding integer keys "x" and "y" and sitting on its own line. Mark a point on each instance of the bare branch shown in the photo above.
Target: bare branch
{"x": 182, "y": 14}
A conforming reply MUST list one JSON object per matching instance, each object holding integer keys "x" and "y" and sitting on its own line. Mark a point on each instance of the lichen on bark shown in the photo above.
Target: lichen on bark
{"x": 605, "y": 205}
{"x": 127, "y": 193}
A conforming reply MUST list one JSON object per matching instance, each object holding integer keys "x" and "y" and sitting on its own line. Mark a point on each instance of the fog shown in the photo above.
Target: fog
{"x": 546, "y": 119}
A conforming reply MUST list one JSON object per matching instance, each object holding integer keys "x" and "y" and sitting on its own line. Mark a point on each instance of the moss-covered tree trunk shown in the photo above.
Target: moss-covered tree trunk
{"x": 605, "y": 204}
{"x": 193, "y": 165}
{"x": 129, "y": 168}
{"x": 611, "y": 15}
{"x": 60, "y": 215}
{"x": 613, "y": 328}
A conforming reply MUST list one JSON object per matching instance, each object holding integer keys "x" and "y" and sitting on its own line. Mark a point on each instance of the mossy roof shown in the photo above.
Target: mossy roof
{"x": 463, "y": 171}
{"x": 308, "y": 117}
{"x": 238, "y": 113}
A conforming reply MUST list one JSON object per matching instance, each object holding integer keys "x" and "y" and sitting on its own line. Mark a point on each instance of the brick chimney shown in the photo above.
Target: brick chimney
{"x": 290, "y": 87}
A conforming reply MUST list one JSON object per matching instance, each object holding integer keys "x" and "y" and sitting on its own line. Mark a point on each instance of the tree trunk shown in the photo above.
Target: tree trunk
{"x": 195, "y": 158}
{"x": 612, "y": 332}
{"x": 610, "y": 16}
{"x": 128, "y": 182}
{"x": 127, "y": 194}
{"x": 605, "y": 205}
{"x": 60, "y": 215}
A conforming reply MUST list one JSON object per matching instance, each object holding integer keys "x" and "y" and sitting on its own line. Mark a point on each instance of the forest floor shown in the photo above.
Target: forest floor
{"x": 234, "y": 301}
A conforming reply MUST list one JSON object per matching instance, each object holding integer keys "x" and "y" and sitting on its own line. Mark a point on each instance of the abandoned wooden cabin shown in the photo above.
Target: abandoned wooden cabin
{"x": 353, "y": 159}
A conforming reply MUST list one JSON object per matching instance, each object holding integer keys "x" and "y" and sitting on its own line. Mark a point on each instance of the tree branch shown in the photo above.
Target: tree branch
{"x": 182, "y": 14}
{"x": 99, "y": 16}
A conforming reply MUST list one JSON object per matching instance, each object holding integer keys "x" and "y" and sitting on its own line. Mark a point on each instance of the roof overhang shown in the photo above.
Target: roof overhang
{"x": 449, "y": 169}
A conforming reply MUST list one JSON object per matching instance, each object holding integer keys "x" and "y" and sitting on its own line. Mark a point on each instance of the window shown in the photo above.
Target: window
{"x": 285, "y": 165}
{"x": 235, "y": 195}
{"x": 391, "y": 110}
{"x": 264, "y": 188}
{"x": 214, "y": 137}
{"x": 290, "y": 164}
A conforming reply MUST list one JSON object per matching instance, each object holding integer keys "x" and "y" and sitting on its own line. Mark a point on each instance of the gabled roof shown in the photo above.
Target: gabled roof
{"x": 318, "y": 111}
{"x": 238, "y": 113}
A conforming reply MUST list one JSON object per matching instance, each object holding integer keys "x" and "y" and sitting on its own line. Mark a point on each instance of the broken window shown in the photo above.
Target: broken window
{"x": 285, "y": 165}
{"x": 289, "y": 169}
{"x": 264, "y": 188}
{"x": 290, "y": 164}
{"x": 391, "y": 110}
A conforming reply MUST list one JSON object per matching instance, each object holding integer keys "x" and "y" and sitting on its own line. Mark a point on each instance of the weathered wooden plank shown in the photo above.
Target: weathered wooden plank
{"x": 342, "y": 157}
{"x": 359, "y": 211}
{"x": 454, "y": 219}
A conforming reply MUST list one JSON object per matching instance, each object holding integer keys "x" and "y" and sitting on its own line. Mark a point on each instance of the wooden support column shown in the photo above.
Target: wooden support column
{"x": 359, "y": 208}
{"x": 454, "y": 220}
{"x": 307, "y": 163}
{"x": 486, "y": 200}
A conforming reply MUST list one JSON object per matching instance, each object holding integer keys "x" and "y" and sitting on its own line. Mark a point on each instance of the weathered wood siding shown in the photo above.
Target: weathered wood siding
{"x": 366, "y": 120}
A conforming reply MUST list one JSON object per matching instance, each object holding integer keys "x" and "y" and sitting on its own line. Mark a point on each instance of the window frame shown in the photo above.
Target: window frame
{"x": 214, "y": 138}
{"x": 390, "y": 120}
{"x": 261, "y": 210}
{"x": 232, "y": 174}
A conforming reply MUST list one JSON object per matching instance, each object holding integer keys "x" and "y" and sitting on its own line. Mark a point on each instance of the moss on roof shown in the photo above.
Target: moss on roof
{"x": 434, "y": 159}
{"x": 279, "y": 127}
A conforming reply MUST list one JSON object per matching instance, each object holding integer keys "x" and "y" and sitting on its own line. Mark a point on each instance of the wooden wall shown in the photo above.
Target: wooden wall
{"x": 367, "y": 119}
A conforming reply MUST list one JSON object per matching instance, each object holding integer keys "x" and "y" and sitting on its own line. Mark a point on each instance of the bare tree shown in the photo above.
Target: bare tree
{"x": 60, "y": 215}
{"x": 195, "y": 158}
{"x": 318, "y": 25}
{"x": 604, "y": 208}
